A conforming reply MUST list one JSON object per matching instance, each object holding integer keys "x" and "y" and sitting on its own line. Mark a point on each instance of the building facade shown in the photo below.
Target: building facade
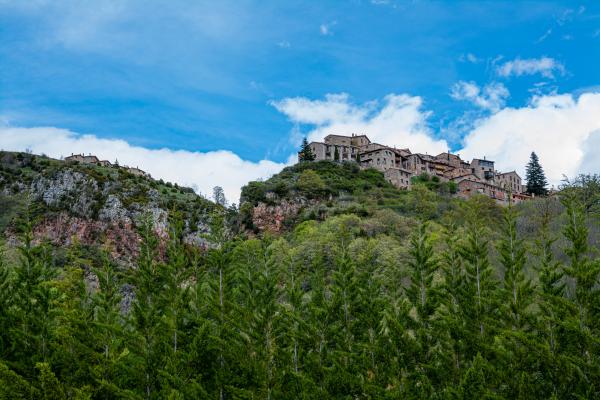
{"x": 399, "y": 166}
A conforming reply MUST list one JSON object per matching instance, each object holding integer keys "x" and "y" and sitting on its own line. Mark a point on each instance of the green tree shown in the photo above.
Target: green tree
{"x": 336, "y": 154}
{"x": 424, "y": 297}
{"x": 535, "y": 177}
{"x": 305, "y": 153}
{"x": 479, "y": 302}
{"x": 517, "y": 289}
{"x": 33, "y": 301}
{"x": 310, "y": 183}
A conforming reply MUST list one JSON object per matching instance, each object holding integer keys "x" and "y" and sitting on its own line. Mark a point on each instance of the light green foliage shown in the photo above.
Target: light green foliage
{"x": 310, "y": 183}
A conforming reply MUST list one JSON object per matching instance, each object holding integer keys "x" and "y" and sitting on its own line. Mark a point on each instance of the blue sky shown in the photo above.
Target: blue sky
{"x": 208, "y": 76}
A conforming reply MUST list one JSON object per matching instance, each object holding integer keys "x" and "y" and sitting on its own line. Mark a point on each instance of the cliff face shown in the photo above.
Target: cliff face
{"x": 94, "y": 205}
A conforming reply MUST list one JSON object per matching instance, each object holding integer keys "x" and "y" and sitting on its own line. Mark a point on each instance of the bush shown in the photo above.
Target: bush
{"x": 311, "y": 184}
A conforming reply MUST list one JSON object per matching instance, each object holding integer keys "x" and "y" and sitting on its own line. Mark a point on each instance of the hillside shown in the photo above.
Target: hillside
{"x": 346, "y": 288}
{"x": 316, "y": 190}
{"x": 92, "y": 204}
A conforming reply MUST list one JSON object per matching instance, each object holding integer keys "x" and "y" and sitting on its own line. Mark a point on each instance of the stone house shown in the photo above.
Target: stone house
{"x": 347, "y": 147}
{"x": 380, "y": 159}
{"x": 398, "y": 177}
{"x": 82, "y": 158}
{"x": 136, "y": 171}
{"x": 471, "y": 185}
{"x": 483, "y": 169}
{"x": 510, "y": 181}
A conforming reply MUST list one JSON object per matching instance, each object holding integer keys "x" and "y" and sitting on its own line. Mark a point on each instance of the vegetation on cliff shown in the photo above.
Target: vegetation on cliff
{"x": 455, "y": 300}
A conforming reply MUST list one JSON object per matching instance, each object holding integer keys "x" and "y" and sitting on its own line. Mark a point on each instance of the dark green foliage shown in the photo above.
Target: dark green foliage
{"x": 494, "y": 304}
{"x": 305, "y": 153}
{"x": 435, "y": 184}
{"x": 535, "y": 177}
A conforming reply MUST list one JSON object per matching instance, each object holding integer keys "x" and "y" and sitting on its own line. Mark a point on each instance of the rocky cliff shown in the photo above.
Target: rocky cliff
{"x": 93, "y": 204}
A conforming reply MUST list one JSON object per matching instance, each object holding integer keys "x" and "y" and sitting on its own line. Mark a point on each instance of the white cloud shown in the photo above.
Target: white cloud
{"x": 545, "y": 66}
{"x": 284, "y": 44}
{"x": 470, "y": 57}
{"x": 561, "y": 129}
{"x": 398, "y": 121}
{"x": 187, "y": 168}
{"x": 325, "y": 29}
{"x": 590, "y": 162}
{"x": 491, "y": 97}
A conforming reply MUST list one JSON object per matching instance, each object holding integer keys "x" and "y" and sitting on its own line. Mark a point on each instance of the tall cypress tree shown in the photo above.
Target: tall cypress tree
{"x": 517, "y": 293}
{"x": 305, "y": 153}
{"x": 536, "y": 179}
{"x": 424, "y": 298}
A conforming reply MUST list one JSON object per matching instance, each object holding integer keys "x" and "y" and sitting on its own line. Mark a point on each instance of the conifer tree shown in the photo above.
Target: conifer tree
{"x": 146, "y": 312}
{"x": 336, "y": 154}
{"x": 517, "y": 290}
{"x": 14, "y": 386}
{"x": 5, "y": 299}
{"x": 480, "y": 296}
{"x": 33, "y": 301}
{"x": 535, "y": 177}
{"x": 583, "y": 272}
{"x": 305, "y": 153}
{"x": 110, "y": 339}
{"x": 454, "y": 299}
{"x": 50, "y": 387}
{"x": 424, "y": 297}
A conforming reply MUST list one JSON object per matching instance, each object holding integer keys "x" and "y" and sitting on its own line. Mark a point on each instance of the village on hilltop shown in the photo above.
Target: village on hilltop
{"x": 399, "y": 166}
{"x": 92, "y": 159}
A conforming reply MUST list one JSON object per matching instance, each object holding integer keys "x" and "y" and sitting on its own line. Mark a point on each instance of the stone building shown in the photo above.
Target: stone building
{"x": 346, "y": 147}
{"x": 399, "y": 166}
{"x": 399, "y": 177}
{"x": 483, "y": 169}
{"x": 82, "y": 158}
{"x": 380, "y": 159}
{"x": 510, "y": 181}
{"x": 136, "y": 171}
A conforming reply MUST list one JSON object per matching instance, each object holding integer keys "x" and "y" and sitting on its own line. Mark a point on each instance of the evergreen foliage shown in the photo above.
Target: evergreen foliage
{"x": 535, "y": 177}
{"x": 305, "y": 153}
{"x": 478, "y": 304}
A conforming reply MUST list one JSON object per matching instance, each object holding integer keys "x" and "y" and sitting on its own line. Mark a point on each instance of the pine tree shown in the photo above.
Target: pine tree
{"x": 453, "y": 299}
{"x": 517, "y": 290}
{"x": 583, "y": 272}
{"x": 305, "y": 153}
{"x": 480, "y": 294}
{"x": 424, "y": 298}
{"x": 536, "y": 179}
{"x": 110, "y": 338}
{"x": 5, "y": 299}
{"x": 336, "y": 154}
{"x": 146, "y": 313}
{"x": 13, "y": 386}
{"x": 33, "y": 301}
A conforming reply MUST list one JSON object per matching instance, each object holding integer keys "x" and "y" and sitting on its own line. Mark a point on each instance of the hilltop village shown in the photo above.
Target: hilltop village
{"x": 92, "y": 159}
{"x": 399, "y": 166}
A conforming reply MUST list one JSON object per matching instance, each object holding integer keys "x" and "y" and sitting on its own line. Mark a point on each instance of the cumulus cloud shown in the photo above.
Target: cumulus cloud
{"x": 193, "y": 169}
{"x": 397, "y": 121}
{"x": 545, "y": 66}
{"x": 590, "y": 162}
{"x": 491, "y": 97}
{"x": 561, "y": 129}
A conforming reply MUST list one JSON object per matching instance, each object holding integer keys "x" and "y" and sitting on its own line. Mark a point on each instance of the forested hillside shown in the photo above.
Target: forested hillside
{"x": 363, "y": 291}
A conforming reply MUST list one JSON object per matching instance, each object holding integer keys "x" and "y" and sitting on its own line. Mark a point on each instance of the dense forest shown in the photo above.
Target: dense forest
{"x": 433, "y": 299}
